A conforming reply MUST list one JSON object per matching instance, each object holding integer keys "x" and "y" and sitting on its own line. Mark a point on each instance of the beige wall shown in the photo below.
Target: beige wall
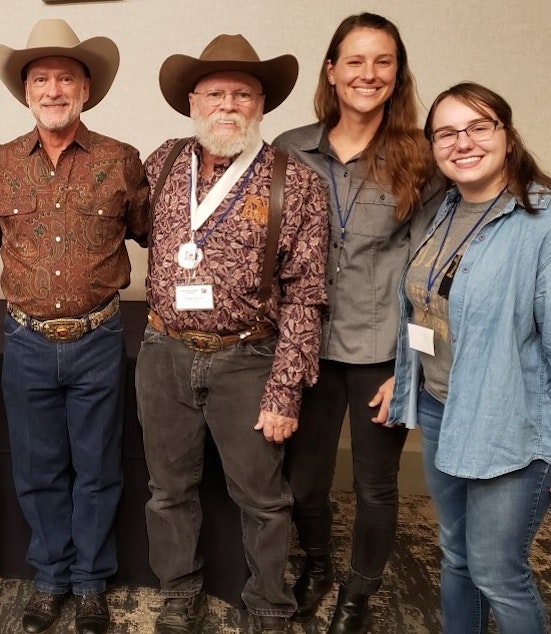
{"x": 502, "y": 43}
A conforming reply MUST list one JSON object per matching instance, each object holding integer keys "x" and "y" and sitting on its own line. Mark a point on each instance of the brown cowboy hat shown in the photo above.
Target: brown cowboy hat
{"x": 55, "y": 38}
{"x": 179, "y": 74}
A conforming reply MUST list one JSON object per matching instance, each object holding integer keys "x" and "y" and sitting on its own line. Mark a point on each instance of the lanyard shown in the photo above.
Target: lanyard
{"x": 226, "y": 211}
{"x": 343, "y": 219}
{"x": 201, "y": 212}
{"x": 433, "y": 275}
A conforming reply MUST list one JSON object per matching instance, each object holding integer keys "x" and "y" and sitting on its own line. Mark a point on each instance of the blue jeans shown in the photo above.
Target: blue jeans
{"x": 180, "y": 394}
{"x": 64, "y": 407}
{"x": 486, "y": 530}
{"x": 310, "y": 465}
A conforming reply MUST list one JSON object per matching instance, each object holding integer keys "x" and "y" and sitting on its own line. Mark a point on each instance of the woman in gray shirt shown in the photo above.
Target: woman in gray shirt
{"x": 369, "y": 151}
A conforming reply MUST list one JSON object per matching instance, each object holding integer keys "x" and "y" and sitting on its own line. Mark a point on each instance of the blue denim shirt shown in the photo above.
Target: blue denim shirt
{"x": 497, "y": 417}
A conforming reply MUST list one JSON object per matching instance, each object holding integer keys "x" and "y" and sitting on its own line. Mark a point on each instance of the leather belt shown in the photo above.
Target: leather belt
{"x": 202, "y": 341}
{"x": 66, "y": 329}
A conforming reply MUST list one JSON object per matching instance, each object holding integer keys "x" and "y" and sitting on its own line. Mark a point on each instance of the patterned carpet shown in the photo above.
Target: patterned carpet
{"x": 406, "y": 604}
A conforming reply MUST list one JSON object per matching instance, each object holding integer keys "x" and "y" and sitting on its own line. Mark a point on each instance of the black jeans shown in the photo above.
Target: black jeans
{"x": 180, "y": 393}
{"x": 310, "y": 465}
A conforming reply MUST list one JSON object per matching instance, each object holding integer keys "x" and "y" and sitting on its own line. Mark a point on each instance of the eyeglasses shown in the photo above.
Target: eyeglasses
{"x": 480, "y": 131}
{"x": 216, "y": 97}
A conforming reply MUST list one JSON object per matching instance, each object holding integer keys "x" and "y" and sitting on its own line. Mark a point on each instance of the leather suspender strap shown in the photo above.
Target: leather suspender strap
{"x": 165, "y": 170}
{"x": 277, "y": 198}
{"x": 275, "y": 212}
{"x": 167, "y": 166}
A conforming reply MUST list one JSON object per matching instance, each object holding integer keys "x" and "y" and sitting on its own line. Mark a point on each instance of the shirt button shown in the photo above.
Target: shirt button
{"x": 100, "y": 212}
{"x": 58, "y": 305}
{"x": 57, "y": 205}
{"x": 330, "y": 282}
{"x": 336, "y": 245}
{"x": 338, "y": 269}
{"x": 58, "y": 239}
{"x": 16, "y": 211}
{"x": 52, "y": 173}
{"x": 58, "y": 273}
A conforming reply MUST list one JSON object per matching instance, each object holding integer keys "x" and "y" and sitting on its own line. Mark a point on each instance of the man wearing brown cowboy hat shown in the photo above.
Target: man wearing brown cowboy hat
{"x": 219, "y": 354}
{"x": 69, "y": 198}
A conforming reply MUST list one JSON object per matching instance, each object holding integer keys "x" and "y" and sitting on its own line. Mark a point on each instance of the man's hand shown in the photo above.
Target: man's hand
{"x": 276, "y": 428}
{"x": 383, "y": 398}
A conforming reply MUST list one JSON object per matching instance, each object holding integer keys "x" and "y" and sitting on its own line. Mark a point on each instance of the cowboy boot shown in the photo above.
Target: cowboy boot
{"x": 351, "y": 614}
{"x": 314, "y": 582}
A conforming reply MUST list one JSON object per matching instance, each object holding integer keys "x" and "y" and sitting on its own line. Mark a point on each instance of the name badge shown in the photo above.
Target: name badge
{"x": 421, "y": 339}
{"x": 194, "y": 297}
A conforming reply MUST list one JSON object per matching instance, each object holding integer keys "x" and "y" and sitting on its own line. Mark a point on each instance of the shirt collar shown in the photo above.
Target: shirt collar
{"x": 318, "y": 141}
{"x": 32, "y": 140}
{"x": 321, "y": 143}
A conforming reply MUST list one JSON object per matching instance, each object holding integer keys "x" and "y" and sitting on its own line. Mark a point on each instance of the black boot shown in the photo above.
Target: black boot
{"x": 351, "y": 614}
{"x": 314, "y": 582}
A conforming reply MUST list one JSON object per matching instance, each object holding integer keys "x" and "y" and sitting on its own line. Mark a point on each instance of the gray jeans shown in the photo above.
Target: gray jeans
{"x": 180, "y": 393}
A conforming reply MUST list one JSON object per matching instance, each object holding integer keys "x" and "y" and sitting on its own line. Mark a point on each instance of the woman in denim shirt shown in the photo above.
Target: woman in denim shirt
{"x": 368, "y": 149}
{"x": 476, "y": 300}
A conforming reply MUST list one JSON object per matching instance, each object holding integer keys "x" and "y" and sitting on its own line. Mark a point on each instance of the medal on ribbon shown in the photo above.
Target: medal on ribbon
{"x": 189, "y": 255}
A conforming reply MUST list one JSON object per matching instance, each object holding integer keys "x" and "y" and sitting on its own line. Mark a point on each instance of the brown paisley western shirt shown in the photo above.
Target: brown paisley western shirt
{"x": 233, "y": 241}
{"x": 63, "y": 228}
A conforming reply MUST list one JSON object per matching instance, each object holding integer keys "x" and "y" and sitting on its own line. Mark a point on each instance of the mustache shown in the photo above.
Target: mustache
{"x": 227, "y": 118}
{"x": 59, "y": 102}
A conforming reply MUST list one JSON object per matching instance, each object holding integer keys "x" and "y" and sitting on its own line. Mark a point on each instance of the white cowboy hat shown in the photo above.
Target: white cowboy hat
{"x": 55, "y": 38}
{"x": 179, "y": 74}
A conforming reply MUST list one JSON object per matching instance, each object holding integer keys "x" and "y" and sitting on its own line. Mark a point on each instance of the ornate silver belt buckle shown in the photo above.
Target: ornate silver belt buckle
{"x": 62, "y": 330}
{"x": 202, "y": 341}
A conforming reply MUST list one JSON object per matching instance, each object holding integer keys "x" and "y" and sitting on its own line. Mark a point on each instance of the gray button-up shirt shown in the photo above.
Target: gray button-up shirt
{"x": 364, "y": 267}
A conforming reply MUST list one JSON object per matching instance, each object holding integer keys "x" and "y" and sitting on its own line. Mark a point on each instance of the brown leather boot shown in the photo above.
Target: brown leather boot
{"x": 182, "y": 615}
{"x": 92, "y": 614}
{"x": 269, "y": 624}
{"x": 41, "y": 612}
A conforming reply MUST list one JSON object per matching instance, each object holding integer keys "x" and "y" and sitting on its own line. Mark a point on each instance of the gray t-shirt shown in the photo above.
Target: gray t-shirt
{"x": 446, "y": 246}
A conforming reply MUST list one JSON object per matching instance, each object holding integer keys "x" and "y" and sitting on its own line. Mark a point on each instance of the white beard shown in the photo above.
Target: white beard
{"x": 56, "y": 121}
{"x": 226, "y": 143}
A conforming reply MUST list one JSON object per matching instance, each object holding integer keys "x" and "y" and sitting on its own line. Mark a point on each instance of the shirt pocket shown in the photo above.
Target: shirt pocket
{"x": 22, "y": 227}
{"x": 101, "y": 202}
{"x": 20, "y": 208}
{"x": 102, "y": 218}
{"x": 373, "y": 214}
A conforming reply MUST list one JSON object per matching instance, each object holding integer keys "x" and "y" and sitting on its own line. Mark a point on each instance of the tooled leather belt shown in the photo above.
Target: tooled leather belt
{"x": 65, "y": 329}
{"x": 203, "y": 341}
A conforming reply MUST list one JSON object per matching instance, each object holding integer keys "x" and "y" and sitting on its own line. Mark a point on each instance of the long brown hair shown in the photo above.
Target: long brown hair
{"x": 520, "y": 167}
{"x": 408, "y": 163}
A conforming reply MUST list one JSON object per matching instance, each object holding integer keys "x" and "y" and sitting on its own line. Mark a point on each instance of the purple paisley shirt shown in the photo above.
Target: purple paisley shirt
{"x": 63, "y": 228}
{"x": 233, "y": 251}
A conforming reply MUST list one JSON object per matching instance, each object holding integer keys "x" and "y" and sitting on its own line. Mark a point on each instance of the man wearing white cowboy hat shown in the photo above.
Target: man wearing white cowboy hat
{"x": 69, "y": 198}
{"x": 218, "y": 355}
